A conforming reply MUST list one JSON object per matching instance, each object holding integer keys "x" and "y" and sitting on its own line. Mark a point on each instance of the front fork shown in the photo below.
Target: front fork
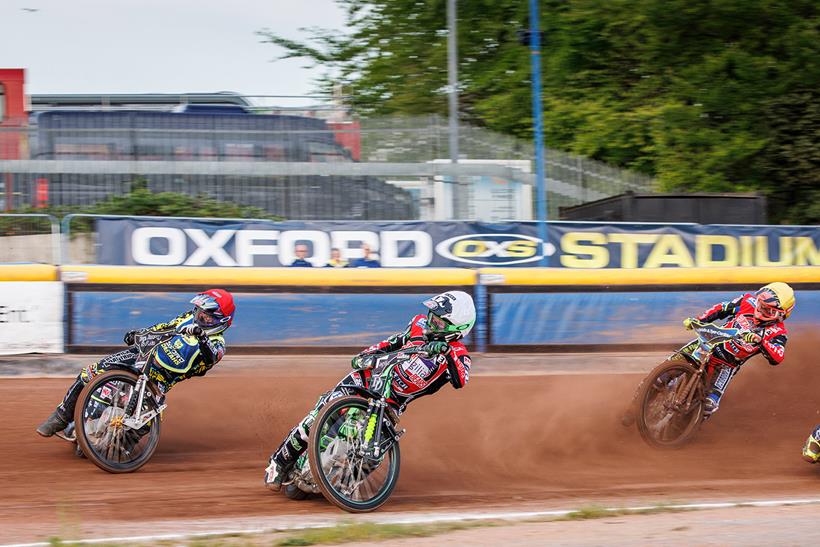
{"x": 138, "y": 420}
{"x": 372, "y": 445}
{"x": 689, "y": 390}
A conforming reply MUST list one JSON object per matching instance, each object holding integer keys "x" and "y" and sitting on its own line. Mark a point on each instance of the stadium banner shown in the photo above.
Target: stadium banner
{"x": 31, "y": 317}
{"x": 182, "y": 242}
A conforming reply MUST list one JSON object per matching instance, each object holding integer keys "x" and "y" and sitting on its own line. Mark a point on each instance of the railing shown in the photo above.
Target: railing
{"x": 295, "y": 167}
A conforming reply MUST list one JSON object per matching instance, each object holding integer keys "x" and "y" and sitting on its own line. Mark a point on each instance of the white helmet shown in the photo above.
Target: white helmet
{"x": 451, "y": 315}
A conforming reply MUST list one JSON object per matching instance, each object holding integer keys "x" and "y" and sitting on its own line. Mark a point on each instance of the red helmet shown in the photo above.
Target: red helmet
{"x": 213, "y": 310}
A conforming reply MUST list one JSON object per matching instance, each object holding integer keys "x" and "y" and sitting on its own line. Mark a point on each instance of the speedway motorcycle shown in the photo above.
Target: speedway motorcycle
{"x": 353, "y": 455}
{"x": 118, "y": 414}
{"x": 668, "y": 406}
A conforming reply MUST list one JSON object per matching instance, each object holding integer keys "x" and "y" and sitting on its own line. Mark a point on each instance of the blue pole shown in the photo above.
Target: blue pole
{"x": 537, "y": 116}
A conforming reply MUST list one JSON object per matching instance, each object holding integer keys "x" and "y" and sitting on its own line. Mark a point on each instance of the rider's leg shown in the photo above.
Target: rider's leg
{"x": 720, "y": 381}
{"x": 64, "y": 413}
{"x": 295, "y": 443}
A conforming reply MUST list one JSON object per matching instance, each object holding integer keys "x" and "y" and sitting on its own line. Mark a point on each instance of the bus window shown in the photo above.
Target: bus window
{"x": 2, "y": 102}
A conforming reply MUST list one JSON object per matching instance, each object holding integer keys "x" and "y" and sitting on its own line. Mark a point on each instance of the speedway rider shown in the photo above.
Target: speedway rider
{"x": 761, "y": 316}
{"x": 201, "y": 348}
{"x": 450, "y": 317}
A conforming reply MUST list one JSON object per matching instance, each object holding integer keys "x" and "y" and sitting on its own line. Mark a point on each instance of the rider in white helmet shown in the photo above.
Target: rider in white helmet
{"x": 450, "y": 317}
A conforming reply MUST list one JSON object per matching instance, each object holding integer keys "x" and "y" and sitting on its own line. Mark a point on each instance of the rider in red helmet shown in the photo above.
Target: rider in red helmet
{"x": 203, "y": 326}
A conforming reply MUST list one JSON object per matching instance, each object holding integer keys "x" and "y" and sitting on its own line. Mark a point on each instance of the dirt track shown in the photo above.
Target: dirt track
{"x": 512, "y": 441}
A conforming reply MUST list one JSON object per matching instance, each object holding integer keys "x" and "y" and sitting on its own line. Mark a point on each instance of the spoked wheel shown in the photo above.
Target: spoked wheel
{"x": 664, "y": 419}
{"x": 346, "y": 478}
{"x": 98, "y": 418}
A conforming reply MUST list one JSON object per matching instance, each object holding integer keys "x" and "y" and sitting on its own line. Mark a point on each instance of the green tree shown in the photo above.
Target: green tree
{"x": 706, "y": 95}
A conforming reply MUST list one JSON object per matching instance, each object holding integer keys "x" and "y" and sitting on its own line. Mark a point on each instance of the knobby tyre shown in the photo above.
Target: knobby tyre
{"x": 380, "y": 480}
{"x": 660, "y": 425}
{"x": 100, "y": 434}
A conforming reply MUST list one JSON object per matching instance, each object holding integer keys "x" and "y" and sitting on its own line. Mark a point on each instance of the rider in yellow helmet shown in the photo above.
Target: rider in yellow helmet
{"x": 761, "y": 316}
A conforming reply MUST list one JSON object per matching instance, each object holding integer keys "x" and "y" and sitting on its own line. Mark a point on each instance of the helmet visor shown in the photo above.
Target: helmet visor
{"x": 205, "y": 319}
{"x": 439, "y": 324}
{"x": 766, "y": 307}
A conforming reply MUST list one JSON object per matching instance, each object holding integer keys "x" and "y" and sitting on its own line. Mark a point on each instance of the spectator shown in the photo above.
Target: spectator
{"x": 336, "y": 260}
{"x": 366, "y": 261}
{"x": 301, "y": 251}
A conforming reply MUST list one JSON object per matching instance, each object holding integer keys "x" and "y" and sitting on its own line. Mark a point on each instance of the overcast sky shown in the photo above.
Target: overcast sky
{"x": 168, "y": 46}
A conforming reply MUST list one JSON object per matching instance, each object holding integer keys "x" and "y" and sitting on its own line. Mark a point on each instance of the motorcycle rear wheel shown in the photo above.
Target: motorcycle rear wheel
{"x": 659, "y": 425}
{"x": 113, "y": 455}
{"x": 326, "y": 429}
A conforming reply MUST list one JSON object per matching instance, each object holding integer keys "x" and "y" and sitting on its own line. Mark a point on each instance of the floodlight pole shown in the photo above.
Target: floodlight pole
{"x": 537, "y": 116}
{"x": 452, "y": 79}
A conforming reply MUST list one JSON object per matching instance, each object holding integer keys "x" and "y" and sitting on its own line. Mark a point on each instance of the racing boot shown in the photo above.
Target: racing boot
{"x": 811, "y": 451}
{"x": 53, "y": 424}
{"x": 68, "y": 434}
{"x": 710, "y": 404}
{"x": 275, "y": 473}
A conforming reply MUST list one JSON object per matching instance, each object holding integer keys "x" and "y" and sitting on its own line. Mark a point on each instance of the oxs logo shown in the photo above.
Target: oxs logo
{"x": 491, "y": 249}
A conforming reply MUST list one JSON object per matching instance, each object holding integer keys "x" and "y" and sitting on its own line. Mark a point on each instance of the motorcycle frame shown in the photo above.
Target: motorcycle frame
{"x": 144, "y": 358}
{"x": 699, "y": 358}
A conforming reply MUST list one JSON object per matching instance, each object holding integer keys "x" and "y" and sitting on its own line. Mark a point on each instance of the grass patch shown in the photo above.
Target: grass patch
{"x": 599, "y": 512}
{"x": 589, "y": 512}
{"x": 365, "y": 531}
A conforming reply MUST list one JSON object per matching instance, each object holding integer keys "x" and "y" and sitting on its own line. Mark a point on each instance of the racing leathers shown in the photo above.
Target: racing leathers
{"x": 730, "y": 355}
{"x": 413, "y": 378}
{"x": 178, "y": 359}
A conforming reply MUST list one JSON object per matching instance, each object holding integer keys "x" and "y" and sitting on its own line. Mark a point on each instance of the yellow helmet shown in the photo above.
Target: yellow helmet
{"x": 774, "y": 302}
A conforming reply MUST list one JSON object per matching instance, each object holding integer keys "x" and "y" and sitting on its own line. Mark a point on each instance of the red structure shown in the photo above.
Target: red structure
{"x": 12, "y": 115}
{"x": 348, "y": 136}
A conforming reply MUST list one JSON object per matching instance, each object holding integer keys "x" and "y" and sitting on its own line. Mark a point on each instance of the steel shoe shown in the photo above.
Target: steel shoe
{"x": 53, "y": 424}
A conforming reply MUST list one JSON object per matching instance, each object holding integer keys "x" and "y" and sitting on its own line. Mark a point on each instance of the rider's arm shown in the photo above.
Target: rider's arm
{"x": 721, "y": 310}
{"x": 458, "y": 366}
{"x": 172, "y": 324}
{"x": 773, "y": 346}
{"x": 395, "y": 342}
{"x": 211, "y": 349}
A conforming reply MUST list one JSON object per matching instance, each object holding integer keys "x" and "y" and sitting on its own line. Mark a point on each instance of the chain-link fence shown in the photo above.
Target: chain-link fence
{"x": 26, "y": 238}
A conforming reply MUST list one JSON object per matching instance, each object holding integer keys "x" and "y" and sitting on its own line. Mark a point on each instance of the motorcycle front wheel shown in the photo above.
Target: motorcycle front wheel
{"x": 348, "y": 479}
{"x": 661, "y": 422}
{"x": 101, "y": 434}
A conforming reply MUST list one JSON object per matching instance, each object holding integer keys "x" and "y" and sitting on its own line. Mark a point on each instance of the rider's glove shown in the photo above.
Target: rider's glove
{"x": 751, "y": 337}
{"x": 687, "y": 323}
{"x": 129, "y": 337}
{"x": 361, "y": 362}
{"x": 191, "y": 330}
{"x": 434, "y": 348}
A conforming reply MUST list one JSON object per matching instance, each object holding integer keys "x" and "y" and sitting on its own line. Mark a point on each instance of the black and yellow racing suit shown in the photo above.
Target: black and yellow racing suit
{"x": 177, "y": 359}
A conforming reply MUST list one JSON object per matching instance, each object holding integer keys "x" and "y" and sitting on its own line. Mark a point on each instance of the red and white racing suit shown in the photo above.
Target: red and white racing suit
{"x": 413, "y": 378}
{"x": 728, "y": 356}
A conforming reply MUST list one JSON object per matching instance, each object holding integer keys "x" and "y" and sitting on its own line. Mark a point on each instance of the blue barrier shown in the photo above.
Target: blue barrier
{"x": 582, "y": 318}
{"x": 262, "y": 320}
